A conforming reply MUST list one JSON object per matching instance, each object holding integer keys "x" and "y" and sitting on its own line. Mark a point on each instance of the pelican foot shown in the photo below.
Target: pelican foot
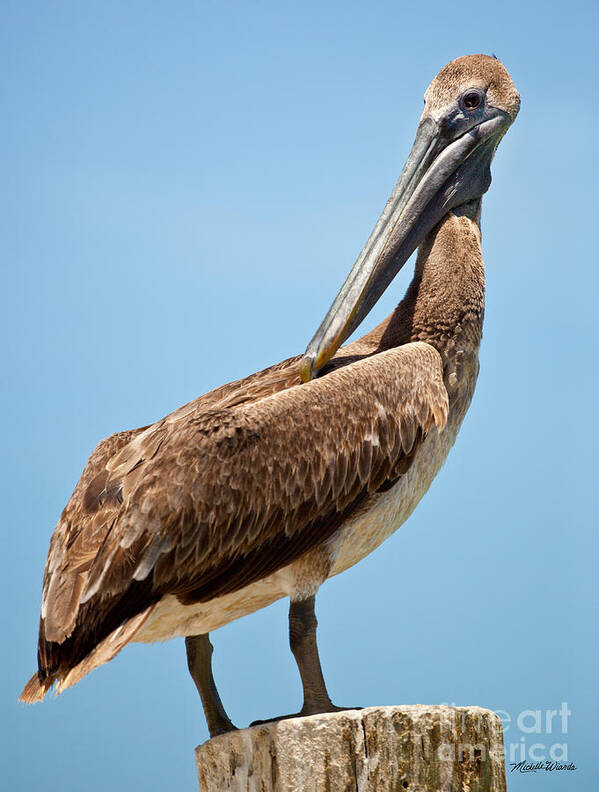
{"x": 303, "y": 713}
{"x": 223, "y": 727}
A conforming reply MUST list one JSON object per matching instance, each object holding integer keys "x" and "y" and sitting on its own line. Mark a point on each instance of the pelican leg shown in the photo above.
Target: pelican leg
{"x": 302, "y": 640}
{"x": 199, "y": 661}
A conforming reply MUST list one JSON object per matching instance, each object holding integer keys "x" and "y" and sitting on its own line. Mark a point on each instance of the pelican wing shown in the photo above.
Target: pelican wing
{"x": 228, "y": 489}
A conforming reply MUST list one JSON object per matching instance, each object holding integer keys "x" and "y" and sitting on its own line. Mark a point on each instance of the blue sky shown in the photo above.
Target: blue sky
{"x": 185, "y": 187}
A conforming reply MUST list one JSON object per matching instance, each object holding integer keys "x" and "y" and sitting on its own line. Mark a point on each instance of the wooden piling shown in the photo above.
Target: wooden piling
{"x": 378, "y": 749}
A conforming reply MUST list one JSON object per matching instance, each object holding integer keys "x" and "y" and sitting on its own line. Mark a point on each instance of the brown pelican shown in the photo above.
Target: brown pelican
{"x": 266, "y": 487}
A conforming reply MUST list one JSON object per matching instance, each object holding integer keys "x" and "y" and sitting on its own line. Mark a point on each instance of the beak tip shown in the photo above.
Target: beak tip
{"x": 306, "y": 367}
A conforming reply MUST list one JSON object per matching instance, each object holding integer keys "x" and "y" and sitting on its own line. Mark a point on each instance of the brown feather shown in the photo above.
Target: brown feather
{"x": 224, "y": 491}
{"x": 246, "y": 479}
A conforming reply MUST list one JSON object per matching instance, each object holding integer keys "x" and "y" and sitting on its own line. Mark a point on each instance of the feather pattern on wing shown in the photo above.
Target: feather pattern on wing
{"x": 228, "y": 489}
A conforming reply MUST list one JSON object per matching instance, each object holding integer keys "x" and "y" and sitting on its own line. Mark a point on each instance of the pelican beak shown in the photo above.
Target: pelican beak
{"x": 449, "y": 165}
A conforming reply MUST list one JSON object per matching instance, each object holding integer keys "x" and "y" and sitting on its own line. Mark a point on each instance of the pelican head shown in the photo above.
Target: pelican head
{"x": 469, "y": 107}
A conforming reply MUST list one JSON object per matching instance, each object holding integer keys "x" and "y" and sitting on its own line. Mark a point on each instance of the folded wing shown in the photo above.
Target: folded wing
{"x": 227, "y": 490}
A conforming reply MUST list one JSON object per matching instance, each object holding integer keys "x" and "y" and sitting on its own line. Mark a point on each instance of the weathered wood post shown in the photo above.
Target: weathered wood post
{"x": 378, "y": 749}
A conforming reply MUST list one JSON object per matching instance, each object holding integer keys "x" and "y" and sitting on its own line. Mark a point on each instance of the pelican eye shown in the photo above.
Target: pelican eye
{"x": 471, "y": 100}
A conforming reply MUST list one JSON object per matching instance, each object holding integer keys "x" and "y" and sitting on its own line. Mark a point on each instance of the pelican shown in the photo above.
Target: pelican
{"x": 266, "y": 487}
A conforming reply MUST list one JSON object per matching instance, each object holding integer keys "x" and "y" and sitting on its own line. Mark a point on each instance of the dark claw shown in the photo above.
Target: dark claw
{"x": 303, "y": 714}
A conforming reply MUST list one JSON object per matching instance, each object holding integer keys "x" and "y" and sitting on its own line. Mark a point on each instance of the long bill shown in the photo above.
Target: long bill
{"x": 438, "y": 176}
